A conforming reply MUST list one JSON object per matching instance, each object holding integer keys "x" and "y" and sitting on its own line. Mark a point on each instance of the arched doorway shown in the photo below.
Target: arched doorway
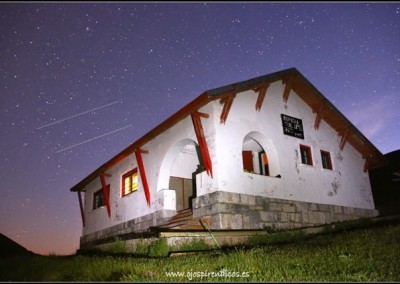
{"x": 178, "y": 172}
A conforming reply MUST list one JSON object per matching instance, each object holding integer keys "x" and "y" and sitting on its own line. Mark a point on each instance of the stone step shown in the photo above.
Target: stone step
{"x": 183, "y": 220}
{"x": 187, "y": 228}
{"x": 178, "y": 226}
{"x": 182, "y": 214}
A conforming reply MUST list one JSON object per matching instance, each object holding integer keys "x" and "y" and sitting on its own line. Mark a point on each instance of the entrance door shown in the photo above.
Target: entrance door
{"x": 184, "y": 190}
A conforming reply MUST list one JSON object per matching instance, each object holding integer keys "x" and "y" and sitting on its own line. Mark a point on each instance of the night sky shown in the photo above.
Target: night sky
{"x": 82, "y": 81}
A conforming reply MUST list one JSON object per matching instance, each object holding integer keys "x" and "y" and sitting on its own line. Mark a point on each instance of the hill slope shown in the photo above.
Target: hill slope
{"x": 8, "y": 247}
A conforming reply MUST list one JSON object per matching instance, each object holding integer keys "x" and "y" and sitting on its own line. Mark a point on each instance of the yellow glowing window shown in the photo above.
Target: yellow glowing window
{"x": 129, "y": 182}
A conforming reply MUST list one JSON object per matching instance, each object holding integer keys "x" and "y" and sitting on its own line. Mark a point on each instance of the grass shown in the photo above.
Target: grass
{"x": 159, "y": 248}
{"x": 359, "y": 255}
{"x": 118, "y": 246}
{"x": 198, "y": 245}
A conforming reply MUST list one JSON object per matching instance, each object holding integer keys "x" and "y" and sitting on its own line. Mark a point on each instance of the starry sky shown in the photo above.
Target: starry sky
{"x": 81, "y": 81}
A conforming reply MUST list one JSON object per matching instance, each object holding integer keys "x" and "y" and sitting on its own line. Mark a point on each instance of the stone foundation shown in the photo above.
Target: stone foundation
{"x": 135, "y": 228}
{"x": 234, "y": 211}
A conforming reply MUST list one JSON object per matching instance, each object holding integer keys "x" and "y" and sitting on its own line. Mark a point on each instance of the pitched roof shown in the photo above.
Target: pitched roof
{"x": 295, "y": 80}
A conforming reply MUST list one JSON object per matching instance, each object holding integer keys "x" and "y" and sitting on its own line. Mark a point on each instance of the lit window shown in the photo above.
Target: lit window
{"x": 326, "y": 160}
{"x": 306, "y": 157}
{"x": 98, "y": 198}
{"x": 129, "y": 182}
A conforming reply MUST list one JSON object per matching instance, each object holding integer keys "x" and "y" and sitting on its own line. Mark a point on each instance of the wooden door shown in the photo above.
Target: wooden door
{"x": 184, "y": 190}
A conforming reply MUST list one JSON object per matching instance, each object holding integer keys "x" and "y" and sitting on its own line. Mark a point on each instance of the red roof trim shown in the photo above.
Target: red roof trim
{"x": 299, "y": 84}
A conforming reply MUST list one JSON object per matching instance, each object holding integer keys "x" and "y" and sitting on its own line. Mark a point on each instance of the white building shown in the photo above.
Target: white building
{"x": 270, "y": 152}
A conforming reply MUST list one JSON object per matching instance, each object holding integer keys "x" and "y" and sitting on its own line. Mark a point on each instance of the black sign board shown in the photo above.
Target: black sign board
{"x": 292, "y": 126}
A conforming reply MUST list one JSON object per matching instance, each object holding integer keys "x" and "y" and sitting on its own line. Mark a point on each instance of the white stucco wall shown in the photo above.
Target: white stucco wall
{"x": 172, "y": 154}
{"x": 345, "y": 185}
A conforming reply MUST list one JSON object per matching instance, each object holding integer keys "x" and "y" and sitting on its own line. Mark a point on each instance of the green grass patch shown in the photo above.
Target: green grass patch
{"x": 142, "y": 249}
{"x": 118, "y": 246}
{"x": 276, "y": 238}
{"x": 198, "y": 245}
{"x": 357, "y": 255}
{"x": 159, "y": 248}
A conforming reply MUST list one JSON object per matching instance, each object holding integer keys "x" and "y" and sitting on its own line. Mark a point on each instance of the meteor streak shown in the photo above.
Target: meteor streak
{"x": 97, "y": 137}
{"x": 67, "y": 118}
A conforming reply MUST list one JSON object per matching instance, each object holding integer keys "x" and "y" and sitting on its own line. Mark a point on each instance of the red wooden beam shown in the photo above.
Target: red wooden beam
{"x": 344, "y": 139}
{"x": 319, "y": 110}
{"x": 318, "y": 119}
{"x": 138, "y": 154}
{"x": 204, "y": 115}
{"x": 81, "y": 207}
{"x": 198, "y": 128}
{"x": 286, "y": 92}
{"x": 227, "y": 107}
{"x": 261, "y": 95}
{"x": 105, "y": 194}
{"x": 367, "y": 164}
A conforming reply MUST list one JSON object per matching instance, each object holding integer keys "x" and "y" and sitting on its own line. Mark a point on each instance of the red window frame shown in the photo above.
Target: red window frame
{"x": 306, "y": 155}
{"x": 130, "y": 173}
{"x": 326, "y": 160}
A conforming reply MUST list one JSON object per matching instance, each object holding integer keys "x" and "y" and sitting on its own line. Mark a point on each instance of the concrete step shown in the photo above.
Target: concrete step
{"x": 183, "y": 213}
{"x": 183, "y": 220}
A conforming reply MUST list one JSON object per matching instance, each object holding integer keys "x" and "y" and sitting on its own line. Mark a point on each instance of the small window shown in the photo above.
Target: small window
{"x": 129, "y": 182}
{"x": 306, "y": 157}
{"x": 98, "y": 198}
{"x": 326, "y": 160}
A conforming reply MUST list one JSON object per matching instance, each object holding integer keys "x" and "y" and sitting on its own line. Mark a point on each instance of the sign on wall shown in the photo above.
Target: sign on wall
{"x": 292, "y": 126}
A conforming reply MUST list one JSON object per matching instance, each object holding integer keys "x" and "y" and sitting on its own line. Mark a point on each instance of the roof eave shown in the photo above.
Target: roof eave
{"x": 193, "y": 106}
{"x": 292, "y": 74}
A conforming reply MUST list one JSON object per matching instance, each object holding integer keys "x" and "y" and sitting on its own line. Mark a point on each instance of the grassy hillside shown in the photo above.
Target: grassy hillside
{"x": 361, "y": 255}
